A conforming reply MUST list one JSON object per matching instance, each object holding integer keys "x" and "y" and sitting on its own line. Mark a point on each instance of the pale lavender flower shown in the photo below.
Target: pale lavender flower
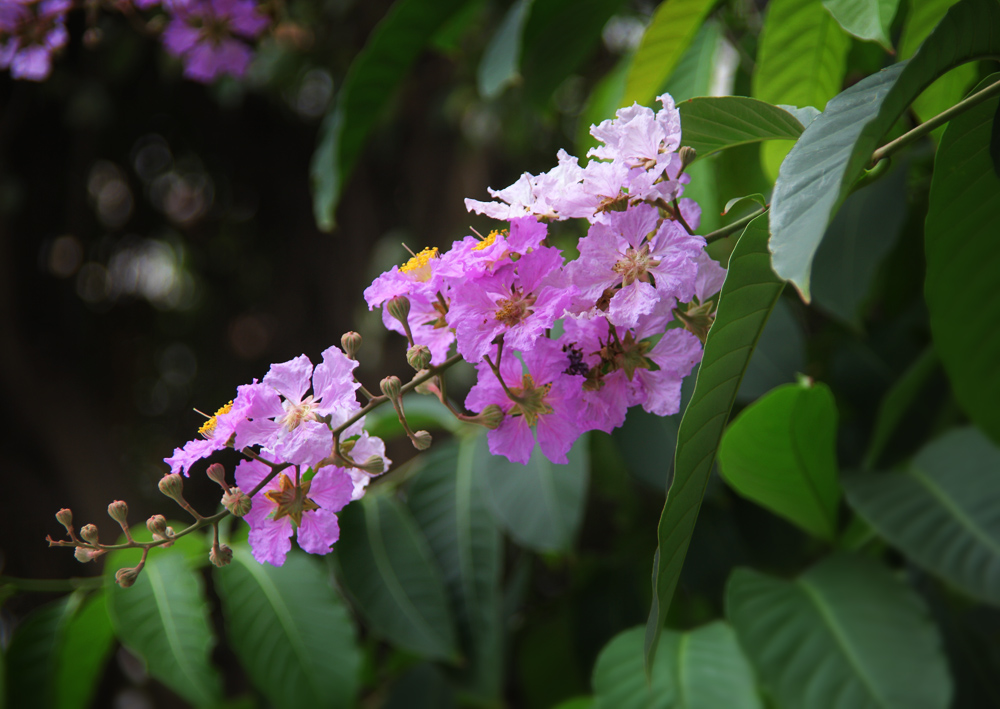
{"x": 211, "y": 36}
{"x": 216, "y": 432}
{"x": 30, "y": 32}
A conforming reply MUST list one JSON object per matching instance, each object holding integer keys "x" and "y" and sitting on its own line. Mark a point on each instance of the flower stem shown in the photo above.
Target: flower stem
{"x": 734, "y": 227}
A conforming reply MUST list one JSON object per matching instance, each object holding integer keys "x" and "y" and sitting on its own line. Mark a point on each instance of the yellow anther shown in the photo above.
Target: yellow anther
{"x": 420, "y": 260}
{"x": 208, "y": 428}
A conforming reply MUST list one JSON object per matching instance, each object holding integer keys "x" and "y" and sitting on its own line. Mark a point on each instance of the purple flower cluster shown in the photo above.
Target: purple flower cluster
{"x": 30, "y": 32}
{"x": 628, "y": 305}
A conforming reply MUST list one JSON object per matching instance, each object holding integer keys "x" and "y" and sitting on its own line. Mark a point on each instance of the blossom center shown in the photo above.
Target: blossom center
{"x": 419, "y": 267}
{"x": 488, "y": 241}
{"x": 295, "y": 414}
{"x": 531, "y": 400}
{"x": 207, "y": 429}
{"x": 290, "y": 500}
{"x": 511, "y": 311}
{"x": 634, "y": 265}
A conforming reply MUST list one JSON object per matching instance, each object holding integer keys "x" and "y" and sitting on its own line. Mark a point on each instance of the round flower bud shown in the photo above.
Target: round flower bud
{"x": 157, "y": 525}
{"x": 217, "y": 473}
{"x": 419, "y": 357}
{"x": 236, "y": 502}
{"x": 375, "y": 465}
{"x": 422, "y": 440}
{"x": 65, "y": 518}
{"x": 390, "y": 387}
{"x": 172, "y": 485}
{"x": 492, "y": 416}
{"x": 83, "y": 554}
{"x": 220, "y": 555}
{"x": 127, "y": 576}
{"x": 687, "y": 155}
{"x": 351, "y": 342}
{"x": 118, "y": 511}
{"x": 399, "y": 307}
{"x": 89, "y": 533}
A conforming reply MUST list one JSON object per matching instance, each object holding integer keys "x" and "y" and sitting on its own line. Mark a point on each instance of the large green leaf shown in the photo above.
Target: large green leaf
{"x": 86, "y": 645}
{"x": 963, "y": 259}
{"x": 447, "y": 501}
{"x": 780, "y": 453}
{"x": 800, "y": 61}
{"x": 748, "y": 296}
{"x": 163, "y": 618}
{"x": 700, "y": 669}
{"x": 779, "y": 356}
{"x": 33, "y": 652}
{"x": 501, "y": 60}
{"x": 667, "y": 37}
{"x": 715, "y": 123}
{"x": 373, "y": 76}
{"x": 809, "y": 191}
{"x": 388, "y": 569}
{"x": 942, "y": 510}
{"x": 862, "y": 234}
{"x": 847, "y": 634}
{"x": 865, "y": 19}
{"x": 539, "y": 504}
{"x": 290, "y": 630}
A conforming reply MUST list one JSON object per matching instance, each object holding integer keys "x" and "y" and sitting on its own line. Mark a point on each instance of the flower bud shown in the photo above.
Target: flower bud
{"x": 89, "y": 533}
{"x": 127, "y": 576}
{"x": 172, "y": 485}
{"x": 390, "y": 387}
{"x": 375, "y": 465}
{"x": 65, "y": 518}
{"x": 236, "y": 502}
{"x": 83, "y": 554}
{"x": 118, "y": 511}
{"x": 157, "y": 526}
{"x": 399, "y": 307}
{"x": 491, "y": 417}
{"x": 687, "y": 155}
{"x": 217, "y": 473}
{"x": 422, "y": 440}
{"x": 419, "y": 357}
{"x": 351, "y": 342}
{"x": 220, "y": 555}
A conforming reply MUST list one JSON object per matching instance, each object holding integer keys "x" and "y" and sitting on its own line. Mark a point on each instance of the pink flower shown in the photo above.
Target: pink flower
{"x": 209, "y": 35}
{"x": 216, "y": 432}
{"x": 283, "y": 506}
{"x": 636, "y": 137}
{"x": 421, "y": 276}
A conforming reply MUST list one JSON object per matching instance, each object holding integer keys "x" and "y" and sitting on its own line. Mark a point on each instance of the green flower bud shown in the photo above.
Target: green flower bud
{"x": 126, "y": 577}
{"x": 217, "y": 473}
{"x": 351, "y": 342}
{"x": 89, "y": 533}
{"x": 157, "y": 526}
{"x": 118, "y": 511}
{"x": 220, "y": 555}
{"x": 390, "y": 387}
{"x": 375, "y": 465}
{"x": 422, "y": 440}
{"x": 399, "y": 308}
{"x": 491, "y": 417}
{"x": 236, "y": 502}
{"x": 172, "y": 485}
{"x": 419, "y": 357}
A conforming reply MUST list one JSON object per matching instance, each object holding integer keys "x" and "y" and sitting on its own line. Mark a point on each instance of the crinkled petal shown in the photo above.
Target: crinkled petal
{"x": 513, "y": 439}
{"x": 291, "y": 379}
{"x": 271, "y": 541}
{"x": 318, "y": 532}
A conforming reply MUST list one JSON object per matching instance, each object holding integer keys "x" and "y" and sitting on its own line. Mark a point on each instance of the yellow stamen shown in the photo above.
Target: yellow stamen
{"x": 488, "y": 241}
{"x": 420, "y": 260}
{"x": 208, "y": 428}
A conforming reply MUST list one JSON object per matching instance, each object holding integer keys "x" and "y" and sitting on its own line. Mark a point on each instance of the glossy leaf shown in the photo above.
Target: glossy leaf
{"x": 865, "y": 19}
{"x": 897, "y": 401}
{"x": 373, "y": 76}
{"x": 963, "y": 258}
{"x": 809, "y": 191}
{"x": 539, "y": 504}
{"x": 447, "y": 502}
{"x": 33, "y": 652}
{"x": 748, "y": 296}
{"x": 714, "y": 123}
{"x": 163, "y": 618}
{"x": 699, "y": 669}
{"x": 847, "y": 634}
{"x": 389, "y": 572}
{"x": 942, "y": 510}
{"x": 85, "y": 647}
{"x": 290, "y": 630}
{"x": 780, "y": 453}
{"x": 500, "y": 63}
{"x": 800, "y": 61}
{"x": 667, "y": 37}
{"x": 779, "y": 356}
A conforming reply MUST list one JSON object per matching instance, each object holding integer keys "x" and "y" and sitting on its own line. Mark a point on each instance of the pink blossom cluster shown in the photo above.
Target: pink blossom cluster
{"x": 627, "y": 306}
{"x": 30, "y": 32}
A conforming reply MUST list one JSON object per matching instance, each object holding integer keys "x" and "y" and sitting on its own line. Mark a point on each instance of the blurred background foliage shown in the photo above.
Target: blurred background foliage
{"x": 164, "y": 241}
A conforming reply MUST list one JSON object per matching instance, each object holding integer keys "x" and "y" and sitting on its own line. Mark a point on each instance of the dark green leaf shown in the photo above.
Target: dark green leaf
{"x": 809, "y": 191}
{"x": 748, "y": 296}
{"x": 714, "y": 123}
{"x": 963, "y": 259}
{"x": 668, "y": 36}
{"x": 388, "y": 569}
{"x": 861, "y": 235}
{"x": 800, "y": 61}
{"x": 447, "y": 502}
{"x": 33, "y": 652}
{"x": 86, "y": 644}
{"x": 163, "y": 619}
{"x": 758, "y": 198}
{"x": 865, "y": 19}
{"x": 539, "y": 504}
{"x": 778, "y": 357}
{"x": 847, "y": 634}
{"x": 942, "y": 510}
{"x": 390, "y": 51}
{"x": 499, "y": 65}
{"x": 421, "y": 687}
{"x": 701, "y": 668}
{"x": 779, "y": 452}
{"x": 290, "y": 630}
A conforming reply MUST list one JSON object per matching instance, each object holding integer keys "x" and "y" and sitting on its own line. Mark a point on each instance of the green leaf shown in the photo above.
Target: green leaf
{"x": 963, "y": 258}
{"x": 85, "y": 647}
{"x": 372, "y": 77}
{"x": 447, "y": 502}
{"x": 539, "y": 504}
{"x": 942, "y": 510}
{"x": 862, "y": 234}
{"x": 290, "y": 630}
{"x": 800, "y": 61}
{"x": 847, "y": 634}
{"x": 809, "y": 191}
{"x": 33, "y": 652}
{"x": 388, "y": 570}
{"x": 780, "y": 453}
{"x": 702, "y": 668}
{"x": 714, "y": 123}
{"x": 748, "y": 296}
{"x": 163, "y": 618}
{"x": 778, "y": 357}
{"x": 499, "y": 66}
{"x": 756, "y": 197}
{"x": 667, "y": 37}
{"x": 865, "y": 19}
